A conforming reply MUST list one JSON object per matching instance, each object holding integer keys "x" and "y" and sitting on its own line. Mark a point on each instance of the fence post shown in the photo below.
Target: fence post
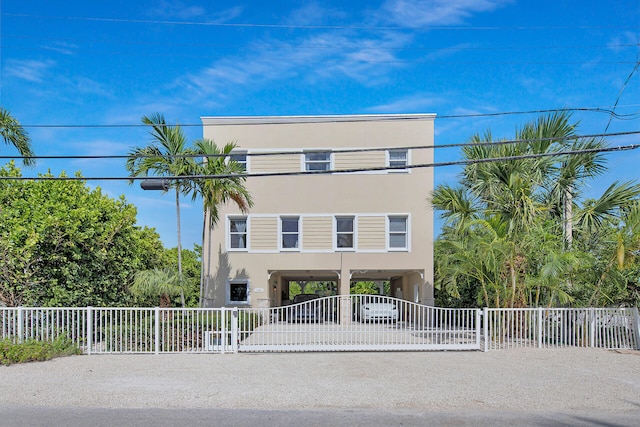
{"x": 156, "y": 331}
{"x": 223, "y": 330}
{"x": 540, "y": 326}
{"x": 89, "y": 329}
{"x": 636, "y": 327}
{"x": 478, "y": 323}
{"x": 20, "y": 324}
{"x": 592, "y": 327}
{"x": 485, "y": 321}
{"x": 234, "y": 330}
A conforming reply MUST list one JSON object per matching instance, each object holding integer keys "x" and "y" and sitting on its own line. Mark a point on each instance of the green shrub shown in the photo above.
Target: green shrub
{"x": 34, "y": 350}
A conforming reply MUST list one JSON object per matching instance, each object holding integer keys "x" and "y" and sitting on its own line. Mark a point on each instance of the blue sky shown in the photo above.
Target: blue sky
{"x": 100, "y": 65}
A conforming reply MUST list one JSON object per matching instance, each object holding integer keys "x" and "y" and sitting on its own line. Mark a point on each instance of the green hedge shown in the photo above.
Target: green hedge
{"x": 33, "y": 350}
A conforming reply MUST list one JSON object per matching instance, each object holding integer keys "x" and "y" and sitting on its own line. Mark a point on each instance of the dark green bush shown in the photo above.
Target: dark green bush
{"x": 34, "y": 350}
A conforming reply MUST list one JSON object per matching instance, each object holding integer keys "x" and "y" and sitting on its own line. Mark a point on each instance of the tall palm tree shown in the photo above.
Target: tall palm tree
{"x": 218, "y": 191}
{"x": 12, "y": 133}
{"x": 166, "y": 155}
{"x": 228, "y": 186}
{"x": 529, "y": 193}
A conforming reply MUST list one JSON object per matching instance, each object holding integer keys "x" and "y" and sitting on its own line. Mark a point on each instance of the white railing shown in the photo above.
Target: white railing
{"x": 123, "y": 330}
{"x": 350, "y": 323}
{"x": 610, "y": 328}
{"x": 358, "y": 322}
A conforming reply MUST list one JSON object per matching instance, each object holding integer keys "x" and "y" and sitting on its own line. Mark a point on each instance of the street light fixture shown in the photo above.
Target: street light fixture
{"x": 155, "y": 184}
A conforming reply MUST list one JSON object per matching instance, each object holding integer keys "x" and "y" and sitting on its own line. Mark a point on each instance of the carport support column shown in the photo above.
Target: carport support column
{"x": 344, "y": 290}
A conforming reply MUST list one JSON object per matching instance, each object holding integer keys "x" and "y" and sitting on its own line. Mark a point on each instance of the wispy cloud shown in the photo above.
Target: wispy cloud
{"x": 88, "y": 86}
{"x": 314, "y": 14}
{"x": 419, "y": 13}
{"x": 183, "y": 11}
{"x": 366, "y": 57}
{"x": 30, "y": 70}
{"x": 98, "y": 147}
{"x": 176, "y": 10}
{"x": 410, "y": 104}
{"x": 622, "y": 41}
{"x": 64, "y": 48}
{"x": 323, "y": 56}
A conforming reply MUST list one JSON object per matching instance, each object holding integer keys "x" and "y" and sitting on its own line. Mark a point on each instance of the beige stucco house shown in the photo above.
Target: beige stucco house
{"x": 372, "y": 223}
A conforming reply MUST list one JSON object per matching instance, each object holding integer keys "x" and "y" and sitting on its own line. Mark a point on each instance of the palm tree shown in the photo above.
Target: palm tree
{"x": 218, "y": 191}
{"x": 158, "y": 283}
{"x": 167, "y": 155}
{"x": 532, "y": 194}
{"x": 12, "y": 133}
{"x": 228, "y": 186}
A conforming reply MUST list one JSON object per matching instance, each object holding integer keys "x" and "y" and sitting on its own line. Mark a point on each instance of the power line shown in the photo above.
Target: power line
{"x": 340, "y": 171}
{"x": 605, "y": 110}
{"x": 318, "y": 27}
{"x": 333, "y": 151}
{"x": 624, "y": 86}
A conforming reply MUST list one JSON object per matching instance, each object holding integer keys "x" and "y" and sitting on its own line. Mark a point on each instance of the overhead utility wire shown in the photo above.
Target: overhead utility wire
{"x": 312, "y": 27}
{"x": 339, "y": 150}
{"x": 340, "y": 171}
{"x": 605, "y": 110}
{"x": 624, "y": 86}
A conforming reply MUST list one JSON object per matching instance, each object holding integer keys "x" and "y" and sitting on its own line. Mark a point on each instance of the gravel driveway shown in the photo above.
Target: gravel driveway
{"x": 564, "y": 380}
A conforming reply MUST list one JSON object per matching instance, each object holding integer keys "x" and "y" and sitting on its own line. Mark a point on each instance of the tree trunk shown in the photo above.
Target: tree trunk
{"x": 567, "y": 218}
{"x": 179, "y": 246}
{"x": 512, "y": 274}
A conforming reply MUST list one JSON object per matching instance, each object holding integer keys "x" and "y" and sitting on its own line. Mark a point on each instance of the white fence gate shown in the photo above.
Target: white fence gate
{"x": 352, "y": 323}
{"x": 358, "y": 322}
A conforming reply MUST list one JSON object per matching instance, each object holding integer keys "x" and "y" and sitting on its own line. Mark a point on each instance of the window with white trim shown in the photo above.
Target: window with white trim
{"x": 317, "y": 161}
{"x": 238, "y": 233}
{"x": 290, "y": 233}
{"x": 345, "y": 232}
{"x": 241, "y": 158}
{"x": 397, "y": 159}
{"x": 398, "y": 233}
{"x": 238, "y": 291}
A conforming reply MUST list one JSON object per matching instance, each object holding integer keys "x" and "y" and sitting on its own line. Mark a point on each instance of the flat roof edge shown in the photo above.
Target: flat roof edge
{"x": 227, "y": 120}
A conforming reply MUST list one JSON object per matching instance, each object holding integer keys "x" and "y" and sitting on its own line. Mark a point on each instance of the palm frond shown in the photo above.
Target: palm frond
{"x": 12, "y": 133}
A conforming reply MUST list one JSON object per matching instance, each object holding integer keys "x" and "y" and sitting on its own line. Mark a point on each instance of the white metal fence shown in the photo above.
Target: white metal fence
{"x": 350, "y": 323}
{"x": 610, "y": 328}
{"x": 359, "y": 322}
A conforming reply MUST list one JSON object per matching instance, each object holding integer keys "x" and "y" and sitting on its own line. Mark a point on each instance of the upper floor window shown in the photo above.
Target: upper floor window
{"x": 317, "y": 161}
{"x": 290, "y": 233}
{"x": 398, "y": 159}
{"x": 344, "y": 232}
{"x": 241, "y": 158}
{"x": 238, "y": 233}
{"x": 398, "y": 236}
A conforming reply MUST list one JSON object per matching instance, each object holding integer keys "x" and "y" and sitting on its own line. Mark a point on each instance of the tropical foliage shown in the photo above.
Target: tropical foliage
{"x": 519, "y": 231}
{"x": 161, "y": 287}
{"x": 64, "y": 244}
{"x": 169, "y": 155}
{"x": 12, "y": 133}
{"x": 36, "y": 351}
